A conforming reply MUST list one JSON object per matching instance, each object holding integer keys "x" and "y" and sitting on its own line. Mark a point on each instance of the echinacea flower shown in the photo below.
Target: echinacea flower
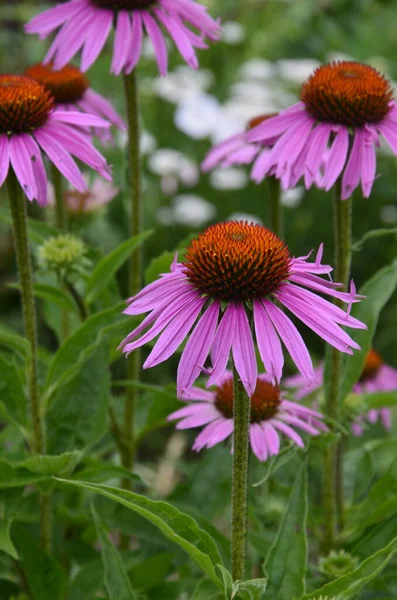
{"x": 375, "y": 377}
{"x": 86, "y": 24}
{"x": 29, "y": 125}
{"x": 235, "y": 150}
{"x": 71, "y": 90}
{"x": 236, "y": 274}
{"x": 271, "y": 415}
{"x": 98, "y": 194}
{"x": 345, "y": 107}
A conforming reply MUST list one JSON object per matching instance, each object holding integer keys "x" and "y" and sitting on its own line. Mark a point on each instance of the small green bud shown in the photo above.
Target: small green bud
{"x": 337, "y": 564}
{"x": 64, "y": 254}
{"x": 274, "y": 510}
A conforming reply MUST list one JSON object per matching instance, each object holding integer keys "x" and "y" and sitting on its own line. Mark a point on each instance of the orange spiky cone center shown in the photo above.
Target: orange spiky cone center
{"x": 373, "y": 362}
{"x": 24, "y": 104}
{"x": 123, "y": 4}
{"x": 265, "y": 401}
{"x": 66, "y": 85}
{"x": 347, "y": 93}
{"x": 237, "y": 261}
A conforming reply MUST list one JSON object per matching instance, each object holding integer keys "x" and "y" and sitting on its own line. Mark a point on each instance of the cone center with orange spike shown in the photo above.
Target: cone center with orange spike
{"x": 265, "y": 401}
{"x": 237, "y": 261}
{"x": 67, "y": 85}
{"x": 373, "y": 362}
{"x": 347, "y": 93}
{"x": 124, "y": 4}
{"x": 25, "y": 105}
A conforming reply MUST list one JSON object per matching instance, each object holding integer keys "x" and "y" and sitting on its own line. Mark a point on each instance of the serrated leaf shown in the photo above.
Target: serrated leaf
{"x": 35, "y": 469}
{"x": 272, "y": 465}
{"x": 377, "y": 290}
{"x": 117, "y": 584}
{"x": 175, "y": 525}
{"x": 350, "y": 585}
{"x": 253, "y": 589}
{"x": 45, "y": 577}
{"x": 286, "y": 563}
{"x": 107, "y": 267}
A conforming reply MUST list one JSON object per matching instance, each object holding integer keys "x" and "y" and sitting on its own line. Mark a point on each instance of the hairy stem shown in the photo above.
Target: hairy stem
{"x": 333, "y": 458}
{"x": 241, "y": 416}
{"x": 17, "y": 203}
{"x": 135, "y": 210}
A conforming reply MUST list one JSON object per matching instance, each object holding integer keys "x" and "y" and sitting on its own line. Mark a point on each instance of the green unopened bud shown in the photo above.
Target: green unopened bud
{"x": 274, "y": 510}
{"x": 64, "y": 254}
{"x": 337, "y": 564}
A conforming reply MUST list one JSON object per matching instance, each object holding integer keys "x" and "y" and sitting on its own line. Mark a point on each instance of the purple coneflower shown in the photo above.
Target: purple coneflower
{"x": 29, "y": 125}
{"x": 86, "y": 24}
{"x": 271, "y": 415}
{"x": 98, "y": 194}
{"x": 375, "y": 377}
{"x": 71, "y": 91}
{"x": 235, "y": 275}
{"x": 345, "y": 107}
{"x": 235, "y": 150}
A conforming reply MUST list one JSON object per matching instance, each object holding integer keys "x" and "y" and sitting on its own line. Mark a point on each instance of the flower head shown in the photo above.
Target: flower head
{"x": 63, "y": 255}
{"x": 71, "y": 90}
{"x": 332, "y": 132}
{"x": 337, "y": 564}
{"x": 98, "y": 194}
{"x": 85, "y": 25}
{"x": 235, "y": 150}
{"x": 271, "y": 415}
{"x": 235, "y": 275}
{"x": 30, "y": 124}
{"x": 375, "y": 377}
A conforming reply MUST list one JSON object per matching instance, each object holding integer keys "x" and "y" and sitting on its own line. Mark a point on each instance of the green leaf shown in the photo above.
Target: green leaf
{"x": 175, "y": 525}
{"x": 158, "y": 265}
{"x": 286, "y": 563}
{"x": 6, "y": 544}
{"x": 14, "y": 342}
{"x": 152, "y": 572}
{"x": 49, "y": 293}
{"x": 253, "y": 589}
{"x": 105, "y": 270}
{"x": 8, "y": 508}
{"x": 227, "y": 581}
{"x": 78, "y": 347}
{"x": 380, "y": 400}
{"x": 272, "y": 465}
{"x": 98, "y": 471}
{"x": 38, "y": 231}
{"x": 115, "y": 575}
{"x": 45, "y": 577}
{"x": 369, "y": 235}
{"x": 351, "y": 584}
{"x": 377, "y": 290}
{"x": 36, "y": 468}
{"x": 12, "y": 394}
{"x": 77, "y": 417}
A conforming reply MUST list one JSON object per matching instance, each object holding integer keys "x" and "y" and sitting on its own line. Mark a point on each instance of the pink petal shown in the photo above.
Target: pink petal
{"x": 352, "y": 174}
{"x": 210, "y": 434}
{"x": 4, "y": 158}
{"x": 122, "y": 40}
{"x": 222, "y": 344}
{"x": 244, "y": 352}
{"x": 136, "y": 41}
{"x": 156, "y": 36}
{"x": 21, "y": 162}
{"x": 258, "y": 442}
{"x": 96, "y": 37}
{"x": 336, "y": 158}
{"x": 269, "y": 345}
{"x": 289, "y": 432}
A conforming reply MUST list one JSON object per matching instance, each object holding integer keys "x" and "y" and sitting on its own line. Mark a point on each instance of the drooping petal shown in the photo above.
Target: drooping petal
{"x": 272, "y": 438}
{"x": 211, "y": 434}
{"x": 222, "y": 344}
{"x": 336, "y": 158}
{"x": 122, "y": 42}
{"x": 156, "y": 36}
{"x": 258, "y": 442}
{"x": 288, "y": 431}
{"x": 244, "y": 352}
{"x": 97, "y": 35}
{"x": 181, "y": 40}
{"x": 21, "y": 162}
{"x": 352, "y": 173}
{"x": 135, "y": 49}
{"x": 368, "y": 162}
{"x": 4, "y": 158}
{"x": 269, "y": 345}
{"x": 197, "y": 348}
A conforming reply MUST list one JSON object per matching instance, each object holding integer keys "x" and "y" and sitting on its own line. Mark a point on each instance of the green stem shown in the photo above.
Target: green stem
{"x": 276, "y": 210}
{"x": 333, "y": 457}
{"x": 17, "y": 202}
{"x": 78, "y": 299}
{"x": 134, "y": 219}
{"x": 241, "y": 416}
{"x": 60, "y": 211}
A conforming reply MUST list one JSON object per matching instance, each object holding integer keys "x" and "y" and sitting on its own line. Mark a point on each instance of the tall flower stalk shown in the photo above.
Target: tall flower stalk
{"x": 241, "y": 418}
{"x": 38, "y": 442}
{"x": 333, "y": 462}
{"x": 134, "y": 279}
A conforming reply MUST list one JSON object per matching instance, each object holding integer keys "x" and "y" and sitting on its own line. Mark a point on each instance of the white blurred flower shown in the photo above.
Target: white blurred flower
{"x": 192, "y": 210}
{"x": 203, "y": 116}
{"x": 182, "y": 83}
{"x": 164, "y": 216}
{"x": 233, "y": 33}
{"x": 174, "y": 168}
{"x": 388, "y": 214}
{"x": 231, "y": 178}
{"x": 257, "y": 68}
{"x": 241, "y": 216}
{"x": 296, "y": 70}
{"x": 147, "y": 144}
{"x": 292, "y": 197}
